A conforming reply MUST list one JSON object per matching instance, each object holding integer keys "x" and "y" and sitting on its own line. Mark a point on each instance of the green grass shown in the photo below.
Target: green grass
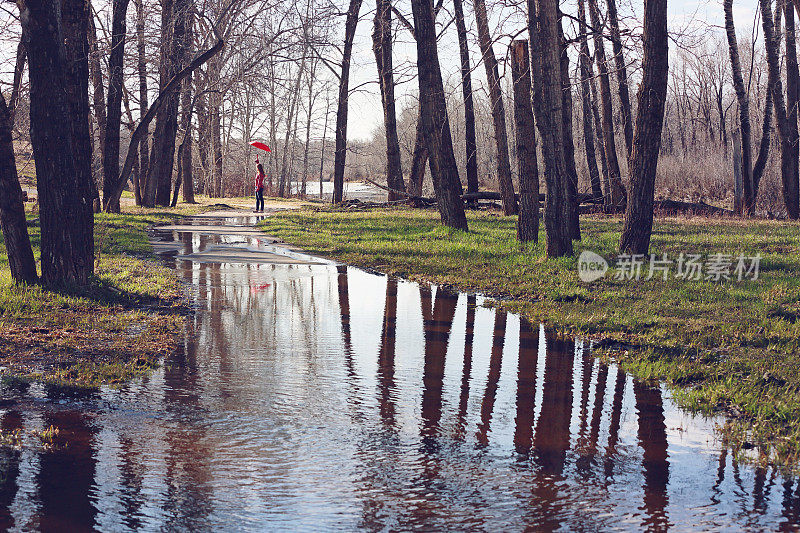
{"x": 116, "y": 328}
{"x": 730, "y": 346}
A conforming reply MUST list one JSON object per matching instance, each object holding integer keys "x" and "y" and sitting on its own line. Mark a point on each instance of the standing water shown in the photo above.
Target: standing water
{"x": 313, "y": 396}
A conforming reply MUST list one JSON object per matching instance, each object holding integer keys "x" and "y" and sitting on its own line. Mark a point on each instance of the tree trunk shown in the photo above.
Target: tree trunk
{"x": 617, "y": 198}
{"x": 469, "y": 105}
{"x": 789, "y": 175}
{"x": 587, "y": 74}
{"x": 528, "y": 220}
{"x": 203, "y": 137}
{"x": 598, "y": 127}
{"x": 98, "y": 99}
{"x": 419, "y": 159}
{"x": 382, "y": 46}
{"x": 324, "y": 141}
{"x": 792, "y": 192}
{"x": 344, "y": 95}
{"x": 543, "y": 27}
{"x": 498, "y": 110}
{"x": 216, "y": 146}
{"x": 652, "y": 96}
{"x": 114, "y": 108}
{"x": 65, "y": 215}
{"x": 569, "y": 145}
{"x": 744, "y": 111}
{"x": 763, "y": 148}
{"x": 435, "y": 123}
{"x": 622, "y": 75}
{"x": 162, "y": 154}
{"x": 141, "y": 67}
{"x": 75, "y": 25}
{"x": 185, "y": 152}
{"x": 12, "y": 210}
{"x": 19, "y": 68}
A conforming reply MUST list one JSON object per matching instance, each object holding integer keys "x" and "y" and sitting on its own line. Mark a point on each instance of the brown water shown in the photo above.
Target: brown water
{"x": 325, "y": 397}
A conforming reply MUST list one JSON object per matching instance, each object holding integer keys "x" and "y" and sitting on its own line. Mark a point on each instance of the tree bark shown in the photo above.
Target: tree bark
{"x": 12, "y": 210}
{"x": 622, "y": 74}
{"x": 587, "y": 74}
{"x": 19, "y": 68}
{"x": 598, "y": 128}
{"x": 141, "y": 67}
{"x": 543, "y": 27}
{"x": 744, "y": 111}
{"x": 617, "y": 197}
{"x": 340, "y": 154}
{"x": 98, "y": 98}
{"x": 763, "y": 148}
{"x": 569, "y": 145}
{"x": 792, "y": 192}
{"x": 75, "y": 25}
{"x": 419, "y": 159}
{"x": 114, "y": 108}
{"x": 498, "y": 110}
{"x": 162, "y": 154}
{"x": 65, "y": 215}
{"x": 185, "y": 152}
{"x": 382, "y": 47}
{"x": 652, "y": 96}
{"x": 528, "y": 220}
{"x": 469, "y": 105}
{"x": 435, "y": 123}
{"x": 789, "y": 176}
{"x": 216, "y": 145}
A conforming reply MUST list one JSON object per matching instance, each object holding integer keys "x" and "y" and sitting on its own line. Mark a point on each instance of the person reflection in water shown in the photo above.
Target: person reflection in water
{"x": 259, "y": 187}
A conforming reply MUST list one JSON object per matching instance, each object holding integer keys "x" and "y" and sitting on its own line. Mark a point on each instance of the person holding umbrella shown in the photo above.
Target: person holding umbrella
{"x": 259, "y": 179}
{"x": 259, "y": 186}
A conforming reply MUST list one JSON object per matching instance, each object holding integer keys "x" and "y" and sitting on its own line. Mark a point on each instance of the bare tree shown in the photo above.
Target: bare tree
{"x": 543, "y": 27}
{"x": 584, "y": 61}
{"x": 141, "y": 67}
{"x": 114, "y": 108}
{"x": 433, "y": 116}
{"x": 469, "y": 104}
{"x": 498, "y": 110}
{"x": 382, "y": 47}
{"x": 162, "y": 154}
{"x": 638, "y": 223}
{"x": 528, "y": 220}
{"x": 344, "y": 94}
{"x": 789, "y": 175}
{"x": 66, "y": 218}
{"x": 617, "y": 197}
{"x": 744, "y": 111}
{"x": 622, "y": 74}
{"x": 12, "y": 210}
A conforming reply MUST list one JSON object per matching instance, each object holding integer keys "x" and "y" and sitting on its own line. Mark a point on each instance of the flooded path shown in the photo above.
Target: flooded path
{"x": 314, "y": 396}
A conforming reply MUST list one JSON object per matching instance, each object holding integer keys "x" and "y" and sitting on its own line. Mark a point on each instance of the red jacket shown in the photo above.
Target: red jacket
{"x": 259, "y": 180}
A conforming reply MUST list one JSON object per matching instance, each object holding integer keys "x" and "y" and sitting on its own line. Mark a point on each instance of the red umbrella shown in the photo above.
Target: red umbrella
{"x": 260, "y": 146}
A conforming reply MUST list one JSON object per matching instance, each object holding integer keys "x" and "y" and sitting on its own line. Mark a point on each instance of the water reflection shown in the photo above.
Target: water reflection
{"x": 312, "y": 397}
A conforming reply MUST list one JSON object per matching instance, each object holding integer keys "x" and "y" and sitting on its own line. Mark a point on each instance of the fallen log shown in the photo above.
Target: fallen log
{"x": 698, "y": 208}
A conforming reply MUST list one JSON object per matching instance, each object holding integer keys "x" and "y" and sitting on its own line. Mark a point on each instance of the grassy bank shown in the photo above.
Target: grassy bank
{"x": 729, "y": 345}
{"x": 111, "y": 331}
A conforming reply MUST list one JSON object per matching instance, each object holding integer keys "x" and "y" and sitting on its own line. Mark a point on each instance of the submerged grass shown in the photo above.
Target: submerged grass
{"x": 116, "y": 328}
{"x": 731, "y": 346}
